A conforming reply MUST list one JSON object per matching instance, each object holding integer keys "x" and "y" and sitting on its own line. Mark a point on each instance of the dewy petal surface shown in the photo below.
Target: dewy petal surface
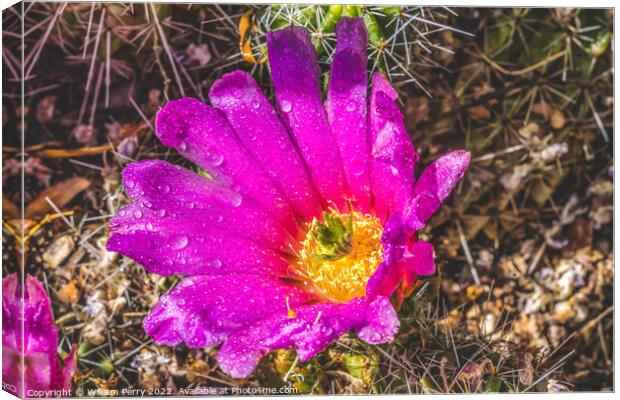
{"x": 403, "y": 259}
{"x": 393, "y": 157}
{"x": 204, "y": 310}
{"x": 417, "y": 258}
{"x": 251, "y": 115}
{"x": 295, "y": 76}
{"x": 442, "y": 175}
{"x": 202, "y": 134}
{"x": 65, "y": 375}
{"x": 242, "y": 351}
{"x": 183, "y": 223}
{"x": 165, "y": 195}
{"x": 420, "y": 259}
{"x": 11, "y": 334}
{"x": 40, "y": 336}
{"x": 208, "y": 251}
{"x": 346, "y": 107}
{"x": 11, "y": 312}
{"x": 42, "y": 366}
{"x": 317, "y": 325}
{"x": 434, "y": 185}
{"x": 313, "y": 328}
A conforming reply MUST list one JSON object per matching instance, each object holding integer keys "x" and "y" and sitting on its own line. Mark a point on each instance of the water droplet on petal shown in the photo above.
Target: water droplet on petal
{"x": 182, "y": 146}
{"x": 286, "y": 106}
{"x": 160, "y": 213}
{"x": 149, "y": 226}
{"x": 215, "y": 159}
{"x": 233, "y": 198}
{"x": 130, "y": 184}
{"x": 180, "y": 243}
{"x": 256, "y": 105}
{"x": 137, "y": 214}
{"x": 164, "y": 189}
{"x": 351, "y": 107}
{"x": 358, "y": 166}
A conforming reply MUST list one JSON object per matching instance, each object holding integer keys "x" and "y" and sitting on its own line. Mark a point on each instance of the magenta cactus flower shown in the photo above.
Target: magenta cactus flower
{"x": 43, "y": 374}
{"x": 308, "y": 225}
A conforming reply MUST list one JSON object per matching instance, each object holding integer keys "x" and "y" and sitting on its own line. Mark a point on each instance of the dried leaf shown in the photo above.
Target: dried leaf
{"x": 529, "y": 130}
{"x": 490, "y": 231}
{"x": 245, "y": 26}
{"x": 69, "y": 153}
{"x": 542, "y": 108}
{"x": 513, "y": 180}
{"x": 526, "y": 374}
{"x": 59, "y": 194}
{"x": 554, "y": 386}
{"x": 601, "y": 188}
{"x": 509, "y": 221}
{"x": 479, "y": 112}
{"x": 132, "y": 130}
{"x": 199, "y": 368}
{"x": 9, "y": 209}
{"x": 58, "y": 251}
{"x": 543, "y": 188}
{"x": 451, "y": 320}
{"x": 557, "y": 119}
{"x": 472, "y": 224}
{"x": 473, "y": 291}
{"x": 69, "y": 293}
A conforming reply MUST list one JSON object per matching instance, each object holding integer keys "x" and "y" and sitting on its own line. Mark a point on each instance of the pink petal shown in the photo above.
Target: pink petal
{"x": 420, "y": 259}
{"x": 295, "y": 76}
{"x": 317, "y": 325}
{"x": 434, "y": 185}
{"x": 241, "y": 352}
{"x": 169, "y": 250}
{"x": 404, "y": 258}
{"x": 393, "y": 156}
{"x": 40, "y": 333}
{"x": 312, "y": 329}
{"x": 42, "y": 366}
{"x": 202, "y": 134}
{"x": 183, "y": 223}
{"x": 164, "y": 195}
{"x": 251, "y": 115}
{"x": 346, "y": 107}
{"x": 70, "y": 366}
{"x": 204, "y": 310}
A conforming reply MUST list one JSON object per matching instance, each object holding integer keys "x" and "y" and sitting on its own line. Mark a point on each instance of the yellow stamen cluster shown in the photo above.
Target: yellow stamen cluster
{"x": 342, "y": 279}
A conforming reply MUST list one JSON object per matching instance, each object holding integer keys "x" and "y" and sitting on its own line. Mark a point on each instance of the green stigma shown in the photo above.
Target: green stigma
{"x": 333, "y": 237}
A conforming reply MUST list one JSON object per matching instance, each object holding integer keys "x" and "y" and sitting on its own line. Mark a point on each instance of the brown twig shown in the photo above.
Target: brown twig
{"x": 525, "y": 70}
